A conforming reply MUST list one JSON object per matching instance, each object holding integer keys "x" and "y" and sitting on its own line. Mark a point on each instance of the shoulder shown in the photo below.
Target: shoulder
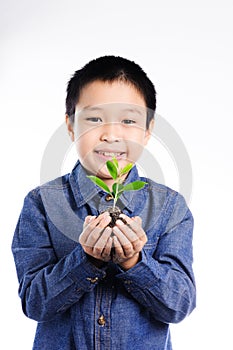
{"x": 175, "y": 207}
{"x": 158, "y": 189}
{"x": 165, "y": 196}
{"x": 58, "y": 184}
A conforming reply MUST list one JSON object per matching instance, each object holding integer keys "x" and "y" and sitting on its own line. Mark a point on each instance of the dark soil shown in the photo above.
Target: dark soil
{"x": 114, "y": 213}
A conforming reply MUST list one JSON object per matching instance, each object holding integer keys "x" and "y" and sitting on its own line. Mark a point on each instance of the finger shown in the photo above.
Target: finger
{"x": 135, "y": 224}
{"x": 106, "y": 254}
{"x": 88, "y": 219}
{"x": 137, "y": 219}
{"x": 119, "y": 253}
{"x": 95, "y": 249}
{"x": 94, "y": 229}
{"x": 127, "y": 231}
{"x": 125, "y": 243}
{"x": 93, "y": 221}
{"x": 87, "y": 250}
{"x": 89, "y": 224}
{"x": 101, "y": 242}
{"x": 94, "y": 236}
{"x": 136, "y": 241}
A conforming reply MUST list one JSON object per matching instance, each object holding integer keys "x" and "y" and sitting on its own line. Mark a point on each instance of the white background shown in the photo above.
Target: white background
{"x": 186, "y": 49}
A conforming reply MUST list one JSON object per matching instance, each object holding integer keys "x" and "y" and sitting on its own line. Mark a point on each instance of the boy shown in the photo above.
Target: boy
{"x": 82, "y": 296}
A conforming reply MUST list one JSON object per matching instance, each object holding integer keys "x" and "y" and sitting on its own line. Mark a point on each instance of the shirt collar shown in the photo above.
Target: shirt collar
{"x": 85, "y": 190}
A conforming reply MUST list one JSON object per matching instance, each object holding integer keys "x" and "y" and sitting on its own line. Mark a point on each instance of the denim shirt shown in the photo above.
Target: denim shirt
{"x": 80, "y": 306}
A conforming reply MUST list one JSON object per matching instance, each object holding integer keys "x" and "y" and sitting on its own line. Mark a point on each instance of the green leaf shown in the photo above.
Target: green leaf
{"x": 134, "y": 186}
{"x": 99, "y": 183}
{"x": 120, "y": 187}
{"x": 112, "y": 169}
{"x": 116, "y": 188}
{"x": 118, "y": 195}
{"x": 114, "y": 160}
{"x": 126, "y": 169}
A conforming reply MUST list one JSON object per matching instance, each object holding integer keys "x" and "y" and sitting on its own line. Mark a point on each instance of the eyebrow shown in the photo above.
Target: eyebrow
{"x": 132, "y": 110}
{"x": 95, "y": 108}
{"x": 90, "y": 108}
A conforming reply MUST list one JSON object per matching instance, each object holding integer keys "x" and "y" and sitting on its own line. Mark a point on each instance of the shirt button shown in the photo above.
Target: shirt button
{"x": 127, "y": 282}
{"x": 101, "y": 320}
{"x": 108, "y": 197}
{"x": 92, "y": 280}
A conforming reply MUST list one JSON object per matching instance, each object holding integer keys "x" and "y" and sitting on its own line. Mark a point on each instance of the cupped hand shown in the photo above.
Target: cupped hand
{"x": 128, "y": 240}
{"x": 96, "y": 238}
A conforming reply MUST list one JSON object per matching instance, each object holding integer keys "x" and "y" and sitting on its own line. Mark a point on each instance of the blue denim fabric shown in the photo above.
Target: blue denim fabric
{"x": 80, "y": 306}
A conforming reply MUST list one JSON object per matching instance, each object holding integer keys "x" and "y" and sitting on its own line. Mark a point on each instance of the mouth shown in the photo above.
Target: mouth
{"x": 111, "y": 154}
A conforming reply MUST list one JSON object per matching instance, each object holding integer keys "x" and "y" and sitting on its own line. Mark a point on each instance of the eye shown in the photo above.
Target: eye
{"x": 128, "y": 121}
{"x": 94, "y": 119}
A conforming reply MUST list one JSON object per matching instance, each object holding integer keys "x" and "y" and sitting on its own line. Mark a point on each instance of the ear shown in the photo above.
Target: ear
{"x": 70, "y": 128}
{"x": 149, "y": 131}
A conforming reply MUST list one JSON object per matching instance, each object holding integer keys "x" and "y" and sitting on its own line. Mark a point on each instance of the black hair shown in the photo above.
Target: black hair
{"x": 109, "y": 69}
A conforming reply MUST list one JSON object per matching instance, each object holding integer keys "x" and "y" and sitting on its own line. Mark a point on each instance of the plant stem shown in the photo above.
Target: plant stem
{"x": 116, "y": 195}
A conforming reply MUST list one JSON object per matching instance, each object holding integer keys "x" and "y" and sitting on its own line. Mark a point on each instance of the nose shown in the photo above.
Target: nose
{"x": 111, "y": 132}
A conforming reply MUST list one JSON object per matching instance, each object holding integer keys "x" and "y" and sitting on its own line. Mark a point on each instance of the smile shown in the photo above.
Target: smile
{"x": 111, "y": 154}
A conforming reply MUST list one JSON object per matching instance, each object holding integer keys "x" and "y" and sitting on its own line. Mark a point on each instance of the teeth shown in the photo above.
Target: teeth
{"x": 110, "y": 154}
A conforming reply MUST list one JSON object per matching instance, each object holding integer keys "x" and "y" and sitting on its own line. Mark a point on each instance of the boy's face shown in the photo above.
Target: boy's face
{"x": 110, "y": 120}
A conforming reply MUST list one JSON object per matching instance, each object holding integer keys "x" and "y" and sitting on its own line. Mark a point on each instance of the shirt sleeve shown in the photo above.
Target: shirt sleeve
{"x": 48, "y": 286}
{"x": 164, "y": 283}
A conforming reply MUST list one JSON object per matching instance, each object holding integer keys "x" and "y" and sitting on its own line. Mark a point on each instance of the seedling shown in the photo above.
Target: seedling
{"x": 118, "y": 188}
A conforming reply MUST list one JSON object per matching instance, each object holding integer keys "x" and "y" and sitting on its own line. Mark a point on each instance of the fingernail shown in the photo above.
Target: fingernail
{"x": 89, "y": 219}
{"x": 107, "y": 218}
{"x": 123, "y": 216}
{"x": 119, "y": 222}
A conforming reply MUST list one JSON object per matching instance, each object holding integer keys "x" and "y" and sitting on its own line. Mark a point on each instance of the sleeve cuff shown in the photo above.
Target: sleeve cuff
{"x": 141, "y": 274}
{"x": 84, "y": 272}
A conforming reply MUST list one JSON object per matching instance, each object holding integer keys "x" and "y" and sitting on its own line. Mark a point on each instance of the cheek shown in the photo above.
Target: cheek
{"x": 137, "y": 137}
{"x": 86, "y": 141}
{"x": 135, "y": 150}
{"x": 135, "y": 145}
{"x": 83, "y": 145}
